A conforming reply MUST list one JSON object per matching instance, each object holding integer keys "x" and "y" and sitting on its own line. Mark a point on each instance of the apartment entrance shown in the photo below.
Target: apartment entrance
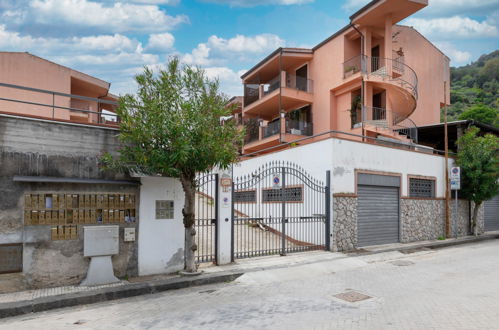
{"x": 206, "y": 211}
{"x": 278, "y": 209}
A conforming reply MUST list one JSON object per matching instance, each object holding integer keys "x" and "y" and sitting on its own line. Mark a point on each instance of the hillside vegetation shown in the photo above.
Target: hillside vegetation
{"x": 475, "y": 90}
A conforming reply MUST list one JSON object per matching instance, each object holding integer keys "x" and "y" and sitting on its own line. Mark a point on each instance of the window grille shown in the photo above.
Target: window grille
{"x": 164, "y": 209}
{"x": 292, "y": 194}
{"x": 246, "y": 196}
{"x": 421, "y": 187}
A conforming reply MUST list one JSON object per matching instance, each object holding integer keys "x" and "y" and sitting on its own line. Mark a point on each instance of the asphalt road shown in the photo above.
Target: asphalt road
{"x": 451, "y": 288}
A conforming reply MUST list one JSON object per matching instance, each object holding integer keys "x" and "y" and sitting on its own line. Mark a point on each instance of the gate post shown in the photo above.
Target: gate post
{"x": 283, "y": 212}
{"x": 224, "y": 217}
{"x": 328, "y": 211}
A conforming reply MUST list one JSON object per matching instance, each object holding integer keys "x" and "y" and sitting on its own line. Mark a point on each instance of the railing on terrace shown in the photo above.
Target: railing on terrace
{"x": 272, "y": 85}
{"x": 252, "y": 130}
{"x": 299, "y": 83}
{"x": 53, "y": 105}
{"x": 387, "y": 119}
{"x": 252, "y": 91}
{"x": 298, "y": 127}
{"x": 353, "y": 65}
{"x": 272, "y": 128}
{"x": 394, "y": 69}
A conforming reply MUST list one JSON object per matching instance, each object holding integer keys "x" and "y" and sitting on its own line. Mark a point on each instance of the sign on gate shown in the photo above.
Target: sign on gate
{"x": 455, "y": 178}
{"x": 276, "y": 181}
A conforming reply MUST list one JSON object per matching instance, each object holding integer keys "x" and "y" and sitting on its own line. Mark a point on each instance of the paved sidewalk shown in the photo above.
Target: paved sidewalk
{"x": 43, "y": 299}
{"x": 452, "y": 288}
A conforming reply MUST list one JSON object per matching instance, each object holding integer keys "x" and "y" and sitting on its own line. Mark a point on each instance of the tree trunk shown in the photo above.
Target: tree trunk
{"x": 190, "y": 247}
{"x": 474, "y": 218}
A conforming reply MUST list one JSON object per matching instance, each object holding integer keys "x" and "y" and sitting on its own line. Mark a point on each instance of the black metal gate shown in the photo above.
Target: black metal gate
{"x": 206, "y": 212}
{"x": 278, "y": 209}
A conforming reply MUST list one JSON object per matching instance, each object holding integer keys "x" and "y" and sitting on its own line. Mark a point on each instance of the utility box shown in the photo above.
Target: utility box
{"x": 100, "y": 240}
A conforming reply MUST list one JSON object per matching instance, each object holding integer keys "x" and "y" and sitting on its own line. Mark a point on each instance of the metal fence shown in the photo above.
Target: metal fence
{"x": 206, "y": 212}
{"x": 278, "y": 209}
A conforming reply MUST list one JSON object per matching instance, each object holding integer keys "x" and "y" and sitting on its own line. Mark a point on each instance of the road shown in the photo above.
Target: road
{"x": 452, "y": 288}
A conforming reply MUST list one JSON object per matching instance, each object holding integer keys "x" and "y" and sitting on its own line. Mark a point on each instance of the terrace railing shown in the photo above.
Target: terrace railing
{"x": 55, "y": 105}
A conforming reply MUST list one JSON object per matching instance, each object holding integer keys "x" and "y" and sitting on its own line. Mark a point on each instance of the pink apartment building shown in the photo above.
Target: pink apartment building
{"x": 372, "y": 78}
{"x": 35, "y": 87}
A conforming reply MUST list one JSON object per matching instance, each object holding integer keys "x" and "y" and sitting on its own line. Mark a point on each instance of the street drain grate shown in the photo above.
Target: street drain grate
{"x": 402, "y": 263}
{"x": 409, "y": 251}
{"x": 352, "y": 296}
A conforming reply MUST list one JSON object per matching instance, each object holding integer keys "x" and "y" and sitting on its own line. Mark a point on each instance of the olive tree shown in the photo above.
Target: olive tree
{"x": 478, "y": 158}
{"x": 173, "y": 127}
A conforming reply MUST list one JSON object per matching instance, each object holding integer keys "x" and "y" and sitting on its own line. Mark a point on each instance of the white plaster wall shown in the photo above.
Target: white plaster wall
{"x": 349, "y": 155}
{"x": 161, "y": 242}
{"x": 343, "y": 157}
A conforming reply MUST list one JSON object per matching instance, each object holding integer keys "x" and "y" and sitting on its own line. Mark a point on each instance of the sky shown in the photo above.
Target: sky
{"x": 114, "y": 40}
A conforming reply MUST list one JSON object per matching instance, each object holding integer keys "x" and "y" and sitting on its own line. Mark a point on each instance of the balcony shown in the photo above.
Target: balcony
{"x": 275, "y": 133}
{"x": 292, "y": 91}
{"x": 384, "y": 122}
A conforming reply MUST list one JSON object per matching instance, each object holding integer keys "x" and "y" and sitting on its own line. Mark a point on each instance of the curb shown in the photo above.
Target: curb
{"x": 429, "y": 245}
{"x": 108, "y": 294}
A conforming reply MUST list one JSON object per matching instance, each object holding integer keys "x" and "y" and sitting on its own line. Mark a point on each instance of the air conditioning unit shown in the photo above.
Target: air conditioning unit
{"x": 295, "y": 131}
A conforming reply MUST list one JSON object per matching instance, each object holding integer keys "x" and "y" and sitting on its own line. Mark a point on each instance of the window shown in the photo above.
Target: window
{"x": 245, "y": 196}
{"x": 421, "y": 188}
{"x": 164, "y": 209}
{"x": 291, "y": 194}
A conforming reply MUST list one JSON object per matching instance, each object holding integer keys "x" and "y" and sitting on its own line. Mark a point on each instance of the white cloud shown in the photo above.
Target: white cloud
{"x": 458, "y": 57}
{"x": 160, "y": 42}
{"x": 253, "y": 3}
{"x": 354, "y": 5}
{"x": 114, "y": 58}
{"x": 230, "y": 81}
{"x": 439, "y": 7}
{"x": 453, "y": 27}
{"x": 116, "y": 17}
{"x": 218, "y": 50}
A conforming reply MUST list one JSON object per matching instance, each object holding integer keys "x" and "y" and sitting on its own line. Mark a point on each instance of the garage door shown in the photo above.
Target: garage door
{"x": 377, "y": 215}
{"x": 491, "y": 209}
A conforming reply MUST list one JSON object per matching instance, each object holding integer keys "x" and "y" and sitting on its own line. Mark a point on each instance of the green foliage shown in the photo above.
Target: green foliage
{"x": 478, "y": 158}
{"x": 474, "y": 84}
{"x": 172, "y": 126}
{"x": 482, "y": 114}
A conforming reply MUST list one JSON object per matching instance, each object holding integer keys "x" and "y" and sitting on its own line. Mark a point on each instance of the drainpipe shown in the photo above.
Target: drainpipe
{"x": 362, "y": 84}
{"x": 280, "y": 98}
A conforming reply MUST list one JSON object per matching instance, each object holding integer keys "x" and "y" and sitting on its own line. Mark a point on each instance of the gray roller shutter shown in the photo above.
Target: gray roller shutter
{"x": 377, "y": 215}
{"x": 491, "y": 214}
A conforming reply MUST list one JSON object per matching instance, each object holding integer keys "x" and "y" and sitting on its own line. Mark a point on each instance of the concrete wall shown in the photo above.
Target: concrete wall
{"x": 161, "y": 241}
{"x": 30, "y": 147}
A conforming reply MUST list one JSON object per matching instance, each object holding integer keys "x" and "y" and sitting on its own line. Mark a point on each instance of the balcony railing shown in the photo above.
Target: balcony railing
{"x": 299, "y": 83}
{"x": 254, "y": 92}
{"x": 272, "y": 128}
{"x": 57, "y": 106}
{"x": 386, "y": 119}
{"x": 297, "y": 127}
{"x": 353, "y": 65}
{"x": 394, "y": 69}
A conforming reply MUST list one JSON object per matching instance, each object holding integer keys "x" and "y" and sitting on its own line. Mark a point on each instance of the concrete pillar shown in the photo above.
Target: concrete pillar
{"x": 367, "y": 47}
{"x": 368, "y": 101}
{"x": 388, "y": 43}
{"x": 283, "y": 78}
{"x": 224, "y": 225}
{"x": 260, "y": 91}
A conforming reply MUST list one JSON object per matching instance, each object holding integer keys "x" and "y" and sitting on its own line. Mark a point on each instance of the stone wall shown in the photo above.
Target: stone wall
{"x": 463, "y": 220}
{"x": 31, "y": 147}
{"x": 344, "y": 223}
{"x": 421, "y": 219}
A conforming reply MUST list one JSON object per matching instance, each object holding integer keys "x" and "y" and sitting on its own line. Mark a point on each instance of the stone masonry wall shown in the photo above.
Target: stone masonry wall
{"x": 424, "y": 219}
{"x": 345, "y": 223}
{"x": 421, "y": 219}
